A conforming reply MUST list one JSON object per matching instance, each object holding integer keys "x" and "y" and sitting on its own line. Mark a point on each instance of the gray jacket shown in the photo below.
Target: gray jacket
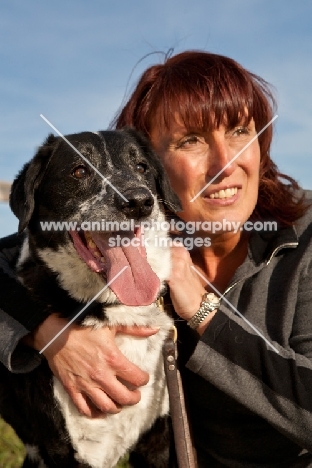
{"x": 249, "y": 377}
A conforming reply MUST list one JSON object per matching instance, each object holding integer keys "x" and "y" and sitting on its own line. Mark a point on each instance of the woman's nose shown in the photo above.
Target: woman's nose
{"x": 221, "y": 158}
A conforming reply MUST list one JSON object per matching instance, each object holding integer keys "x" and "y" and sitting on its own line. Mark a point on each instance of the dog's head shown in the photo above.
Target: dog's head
{"x": 112, "y": 166}
{"x": 111, "y": 175}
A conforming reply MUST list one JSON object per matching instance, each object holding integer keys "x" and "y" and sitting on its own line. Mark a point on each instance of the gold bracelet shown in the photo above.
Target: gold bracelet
{"x": 209, "y": 303}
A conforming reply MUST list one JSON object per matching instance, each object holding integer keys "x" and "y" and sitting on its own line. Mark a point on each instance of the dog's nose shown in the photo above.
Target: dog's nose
{"x": 140, "y": 202}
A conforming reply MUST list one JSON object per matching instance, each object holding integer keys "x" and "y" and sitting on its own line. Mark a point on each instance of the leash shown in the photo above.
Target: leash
{"x": 182, "y": 437}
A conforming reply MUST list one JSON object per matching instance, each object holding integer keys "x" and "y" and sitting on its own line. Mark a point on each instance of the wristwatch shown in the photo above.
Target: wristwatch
{"x": 209, "y": 303}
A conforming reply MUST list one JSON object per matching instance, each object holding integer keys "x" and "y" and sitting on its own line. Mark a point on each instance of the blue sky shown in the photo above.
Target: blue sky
{"x": 72, "y": 60}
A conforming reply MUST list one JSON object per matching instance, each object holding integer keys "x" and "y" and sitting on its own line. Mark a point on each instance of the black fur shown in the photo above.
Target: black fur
{"x": 47, "y": 190}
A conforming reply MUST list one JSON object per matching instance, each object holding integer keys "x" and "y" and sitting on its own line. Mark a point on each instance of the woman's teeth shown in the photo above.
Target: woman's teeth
{"x": 227, "y": 193}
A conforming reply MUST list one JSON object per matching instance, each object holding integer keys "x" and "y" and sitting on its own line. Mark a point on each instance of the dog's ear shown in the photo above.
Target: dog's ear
{"x": 22, "y": 196}
{"x": 167, "y": 195}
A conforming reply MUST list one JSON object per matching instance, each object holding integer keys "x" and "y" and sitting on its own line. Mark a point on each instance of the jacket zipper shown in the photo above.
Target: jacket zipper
{"x": 275, "y": 251}
{"x": 289, "y": 244}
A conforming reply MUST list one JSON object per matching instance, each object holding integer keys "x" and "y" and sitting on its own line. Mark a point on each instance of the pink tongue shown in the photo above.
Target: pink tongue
{"x": 137, "y": 285}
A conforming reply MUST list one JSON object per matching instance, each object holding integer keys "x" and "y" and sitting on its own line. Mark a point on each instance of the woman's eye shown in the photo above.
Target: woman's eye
{"x": 188, "y": 141}
{"x": 241, "y": 131}
{"x": 80, "y": 172}
{"x": 141, "y": 168}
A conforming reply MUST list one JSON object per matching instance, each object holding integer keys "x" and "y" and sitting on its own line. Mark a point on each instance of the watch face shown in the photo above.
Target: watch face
{"x": 211, "y": 299}
{"x": 209, "y": 303}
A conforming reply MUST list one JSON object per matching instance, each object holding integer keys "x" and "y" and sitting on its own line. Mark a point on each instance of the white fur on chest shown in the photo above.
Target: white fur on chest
{"x": 101, "y": 442}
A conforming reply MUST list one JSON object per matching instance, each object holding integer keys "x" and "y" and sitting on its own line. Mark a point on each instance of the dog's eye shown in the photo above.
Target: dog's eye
{"x": 80, "y": 172}
{"x": 141, "y": 168}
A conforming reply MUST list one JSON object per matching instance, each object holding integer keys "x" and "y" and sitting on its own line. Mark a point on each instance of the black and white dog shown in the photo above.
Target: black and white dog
{"x": 66, "y": 269}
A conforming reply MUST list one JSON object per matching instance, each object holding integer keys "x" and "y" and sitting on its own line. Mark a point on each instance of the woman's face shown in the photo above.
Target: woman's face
{"x": 198, "y": 159}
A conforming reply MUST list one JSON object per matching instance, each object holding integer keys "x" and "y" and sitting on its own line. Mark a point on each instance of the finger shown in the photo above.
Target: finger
{"x": 137, "y": 331}
{"x": 109, "y": 396}
{"x": 92, "y": 401}
{"x": 123, "y": 369}
{"x": 84, "y": 405}
{"x": 134, "y": 376}
{"x": 121, "y": 386}
{"x": 103, "y": 402}
{"x": 178, "y": 249}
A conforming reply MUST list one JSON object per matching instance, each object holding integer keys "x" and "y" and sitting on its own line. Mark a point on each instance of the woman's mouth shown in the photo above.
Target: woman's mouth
{"x": 224, "y": 193}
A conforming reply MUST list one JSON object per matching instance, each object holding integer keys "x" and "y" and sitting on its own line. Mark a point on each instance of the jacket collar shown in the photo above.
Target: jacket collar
{"x": 263, "y": 246}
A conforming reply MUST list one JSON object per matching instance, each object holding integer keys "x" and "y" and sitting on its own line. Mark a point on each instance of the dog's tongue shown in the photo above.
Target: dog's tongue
{"x": 138, "y": 284}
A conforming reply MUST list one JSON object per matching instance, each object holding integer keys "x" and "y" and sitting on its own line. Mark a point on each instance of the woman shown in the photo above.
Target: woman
{"x": 248, "y": 388}
{"x": 246, "y": 361}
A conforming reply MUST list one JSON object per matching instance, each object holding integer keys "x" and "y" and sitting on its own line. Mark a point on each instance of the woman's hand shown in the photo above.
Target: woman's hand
{"x": 186, "y": 288}
{"x": 96, "y": 375}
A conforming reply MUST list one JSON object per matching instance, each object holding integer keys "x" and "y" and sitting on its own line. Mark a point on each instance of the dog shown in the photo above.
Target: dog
{"x": 94, "y": 176}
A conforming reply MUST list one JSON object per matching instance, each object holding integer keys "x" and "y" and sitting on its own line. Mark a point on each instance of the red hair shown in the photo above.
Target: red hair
{"x": 207, "y": 90}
